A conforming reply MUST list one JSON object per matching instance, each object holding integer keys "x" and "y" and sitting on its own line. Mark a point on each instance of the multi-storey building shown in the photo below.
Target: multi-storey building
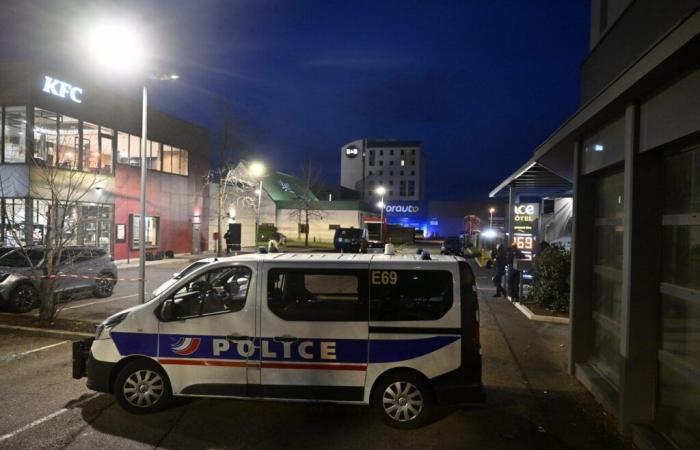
{"x": 57, "y": 123}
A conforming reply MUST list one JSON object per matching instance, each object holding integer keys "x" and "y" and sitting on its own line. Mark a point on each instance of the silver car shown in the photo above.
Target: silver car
{"x": 80, "y": 269}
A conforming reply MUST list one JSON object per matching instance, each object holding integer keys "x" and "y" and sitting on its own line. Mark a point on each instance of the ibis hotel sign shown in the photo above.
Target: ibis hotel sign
{"x": 62, "y": 89}
{"x": 525, "y": 216}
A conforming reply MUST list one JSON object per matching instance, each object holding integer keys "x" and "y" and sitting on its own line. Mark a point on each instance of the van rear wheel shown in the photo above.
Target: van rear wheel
{"x": 142, "y": 387}
{"x": 404, "y": 400}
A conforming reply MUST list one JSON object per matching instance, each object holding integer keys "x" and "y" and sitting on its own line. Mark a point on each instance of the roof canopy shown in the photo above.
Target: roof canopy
{"x": 533, "y": 180}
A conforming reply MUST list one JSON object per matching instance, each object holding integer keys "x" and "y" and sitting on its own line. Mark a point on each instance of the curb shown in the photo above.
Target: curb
{"x": 539, "y": 318}
{"x": 49, "y": 333}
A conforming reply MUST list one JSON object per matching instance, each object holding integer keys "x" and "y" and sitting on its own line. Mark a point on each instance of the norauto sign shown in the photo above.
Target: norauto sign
{"x": 410, "y": 209}
{"x": 62, "y": 89}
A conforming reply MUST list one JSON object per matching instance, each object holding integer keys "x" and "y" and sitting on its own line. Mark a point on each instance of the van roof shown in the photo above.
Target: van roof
{"x": 334, "y": 257}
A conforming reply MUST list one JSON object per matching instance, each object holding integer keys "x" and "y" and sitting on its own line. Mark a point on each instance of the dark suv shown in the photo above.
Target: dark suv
{"x": 451, "y": 246}
{"x": 80, "y": 268}
{"x": 351, "y": 240}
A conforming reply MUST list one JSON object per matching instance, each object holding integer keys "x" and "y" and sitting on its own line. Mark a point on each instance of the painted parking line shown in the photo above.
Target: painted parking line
{"x": 17, "y": 355}
{"x": 31, "y": 425}
{"x": 108, "y": 300}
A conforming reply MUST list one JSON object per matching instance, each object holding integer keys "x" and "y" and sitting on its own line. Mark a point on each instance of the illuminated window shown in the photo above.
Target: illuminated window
{"x": 152, "y": 231}
{"x": 45, "y": 136}
{"x": 91, "y": 147}
{"x": 12, "y": 214}
{"x": 106, "y": 150}
{"x": 68, "y": 142}
{"x": 14, "y": 134}
{"x": 122, "y": 148}
{"x": 134, "y": 150}
{"x": 153, "y": 152}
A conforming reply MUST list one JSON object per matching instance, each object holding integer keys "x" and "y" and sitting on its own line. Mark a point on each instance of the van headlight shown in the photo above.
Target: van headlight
{"x": 102, "y": 331}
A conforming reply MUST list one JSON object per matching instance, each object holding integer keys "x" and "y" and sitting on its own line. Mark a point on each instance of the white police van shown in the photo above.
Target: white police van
{"x": 400, "y": 332}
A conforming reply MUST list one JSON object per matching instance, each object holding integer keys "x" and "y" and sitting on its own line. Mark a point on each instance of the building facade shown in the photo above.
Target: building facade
{"x": 632, "y": 151}
{"x": 64, "y": 137}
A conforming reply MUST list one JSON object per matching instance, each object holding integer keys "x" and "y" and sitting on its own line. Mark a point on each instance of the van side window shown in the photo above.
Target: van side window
{"x": 318, "y": 295}
{"x": 410, "y": 294}
{"x": 216, "y": 291}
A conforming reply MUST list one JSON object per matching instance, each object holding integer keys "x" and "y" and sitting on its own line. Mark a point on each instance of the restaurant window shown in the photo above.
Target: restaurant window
{"x": 14, "y": 134}
{"x": 167, "y": 158}
{"x": 45, "y": 136}
{"x": 153, "y": 155}
{"x": 68, "y": 142}
{"x": 106, "y": 150}
{"x": 134, "y": 150}
{"x": 152, "y": 231}
{"x": 678, "y": 411}
{"x": 607, "y": 276}
{"x": 12, "y": 220}
{"x": 122, "y": 147}
{"x": 96, "y": 224}
{"x": 91, "y": 147}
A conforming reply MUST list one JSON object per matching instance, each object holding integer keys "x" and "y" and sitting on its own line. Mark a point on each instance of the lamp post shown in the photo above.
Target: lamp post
{"x": 491, "y": 211}
{"x": 380, "y": 191}
{"x": 257, "y": 171}
{"x": 118, "y": 47}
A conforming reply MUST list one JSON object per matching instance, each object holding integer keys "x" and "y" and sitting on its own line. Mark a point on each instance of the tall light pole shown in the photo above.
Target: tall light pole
{"x": 257, "y": 171}
{"x": 117, "y": 48}
{"x": 491, "y": 211}
{"x": 380, "y": 191}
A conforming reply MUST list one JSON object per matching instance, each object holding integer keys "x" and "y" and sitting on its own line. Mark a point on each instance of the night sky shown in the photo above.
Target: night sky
{"x": 481, "y": 83}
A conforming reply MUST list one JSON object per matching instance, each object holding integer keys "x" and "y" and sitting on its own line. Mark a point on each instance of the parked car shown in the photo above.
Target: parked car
{"x": 351, "y": 240}
{"x": 451, "y": 246}
{"x": 80, "y": 269}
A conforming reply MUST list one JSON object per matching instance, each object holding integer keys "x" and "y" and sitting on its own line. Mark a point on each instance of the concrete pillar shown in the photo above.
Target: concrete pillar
{"x": 582, "y": 260}
{"x": 639, "y": 318}
{"x": 512, "y": 191}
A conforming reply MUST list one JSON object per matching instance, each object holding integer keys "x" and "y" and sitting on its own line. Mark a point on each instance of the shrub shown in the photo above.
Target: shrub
{"x": 551, "y": 278}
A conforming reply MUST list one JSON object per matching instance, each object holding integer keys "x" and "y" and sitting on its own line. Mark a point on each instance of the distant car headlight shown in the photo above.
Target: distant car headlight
{"x": 102, "y": 331}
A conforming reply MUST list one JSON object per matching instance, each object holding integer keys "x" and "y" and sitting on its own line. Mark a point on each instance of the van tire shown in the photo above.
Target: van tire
{"x": 404, "y": 400}
{"x": 23, "y": 298}
{"x": 104, "y": 285}
{"x": 141, "y": 387}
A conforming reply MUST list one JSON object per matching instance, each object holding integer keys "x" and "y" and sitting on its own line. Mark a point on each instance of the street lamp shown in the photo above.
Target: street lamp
{"x": 257, "y": 171}
{"x": 491, "y": 211}
{"x": 380, "y": 191}
{"x": 118, "y": 48}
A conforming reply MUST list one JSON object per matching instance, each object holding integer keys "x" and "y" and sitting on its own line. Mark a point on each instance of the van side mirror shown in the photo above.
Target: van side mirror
{"x": 167, "y": 312}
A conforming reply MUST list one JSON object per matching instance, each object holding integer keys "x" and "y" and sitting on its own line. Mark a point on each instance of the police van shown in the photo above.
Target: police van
{"x": 399, "y": 332}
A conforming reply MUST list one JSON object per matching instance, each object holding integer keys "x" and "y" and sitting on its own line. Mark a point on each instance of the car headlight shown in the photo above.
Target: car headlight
{"x": 102, "y": 331}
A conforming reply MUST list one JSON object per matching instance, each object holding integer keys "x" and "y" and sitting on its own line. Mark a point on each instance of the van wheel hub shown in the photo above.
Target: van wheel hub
{"x": 402, "y": 401}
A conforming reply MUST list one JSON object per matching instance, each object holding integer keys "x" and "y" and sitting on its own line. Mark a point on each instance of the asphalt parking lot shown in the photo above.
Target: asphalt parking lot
{"x": 531, "y": 402}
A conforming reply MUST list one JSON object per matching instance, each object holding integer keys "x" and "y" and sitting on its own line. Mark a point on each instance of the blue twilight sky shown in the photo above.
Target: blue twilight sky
{"x": 480, "y": 82}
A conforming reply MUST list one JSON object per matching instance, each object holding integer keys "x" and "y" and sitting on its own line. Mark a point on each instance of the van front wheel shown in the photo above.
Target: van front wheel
{"x": 142, "y": 387}
{"x": 404, "y": 400}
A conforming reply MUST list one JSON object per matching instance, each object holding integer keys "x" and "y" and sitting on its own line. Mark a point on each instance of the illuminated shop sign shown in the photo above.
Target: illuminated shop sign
{"x": 524, "y": 217}
{"x": 62, "y": 89}
{"x": 403, "y": 209}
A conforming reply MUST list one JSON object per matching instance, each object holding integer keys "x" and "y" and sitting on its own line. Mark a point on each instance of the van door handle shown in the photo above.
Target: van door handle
{"x": 237, "y": 337}
{"x": 285, "y": 339}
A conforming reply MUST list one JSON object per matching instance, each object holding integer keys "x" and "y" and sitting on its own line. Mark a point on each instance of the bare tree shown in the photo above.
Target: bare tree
{"x": 307, "y": 205}
{"x": 59, "y": 193}
{"x": 233, "y": 141}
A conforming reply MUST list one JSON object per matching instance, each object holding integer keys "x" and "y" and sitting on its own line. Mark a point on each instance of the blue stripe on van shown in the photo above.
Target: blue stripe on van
{"x": 345, "y": 350}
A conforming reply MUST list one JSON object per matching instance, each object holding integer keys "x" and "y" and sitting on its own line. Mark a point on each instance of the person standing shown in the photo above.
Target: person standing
{"x": 500, "y": 265}
{"x": 227, "y": 239}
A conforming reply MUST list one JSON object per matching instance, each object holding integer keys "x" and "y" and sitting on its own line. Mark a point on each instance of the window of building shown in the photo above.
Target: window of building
{"x": 371, "y": 157}
{"x": 45, "y": 136}
{"x": 604, "y": 147}
{"x": 106, "y": 150}
{"x": 91, "y": 147}
{"x": 413, "y": 172}
{"x": 184, "y": 162}
{"x": 381, "y": 162}
{"x": 153, "y": 154}
{"x": 176, "y": 159}
{"x": 13, "y": 139}
{"x": 401, "y": 173}
{"x": 407, "y": 295}
{"x": 122, "y": 147}
{"x": 370, "y": 173}
{"x": 391, "y": 182}
{"x": 217, "y": 291}
{"x": 381, "y": 152}
{"x": 403, "y": 162}
{"x": 391, "y": 152}
{"x": 381, "y": 173}
{"x": 391, "y": 173}
{"x": 391, "y": 193}
{"x": 318, "y": 295}
{"x": 152, "y": 231}
{"x": 411, "y": 188}
{"x": 402, "y": 188}
{"x": 679, "y": 356}
{"x": 12, "y": 220}
{"x": 134, "y": 150}
{"x": 413, "y": 152}
{"x": 68, "y": 142}
{"x": 96, "y": 224}
{"x": 607, "y": 270}
{"x": 391, "y": 162}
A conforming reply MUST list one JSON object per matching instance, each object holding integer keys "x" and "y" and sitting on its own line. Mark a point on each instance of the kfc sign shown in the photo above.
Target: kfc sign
{"x": 62, "y": 89}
